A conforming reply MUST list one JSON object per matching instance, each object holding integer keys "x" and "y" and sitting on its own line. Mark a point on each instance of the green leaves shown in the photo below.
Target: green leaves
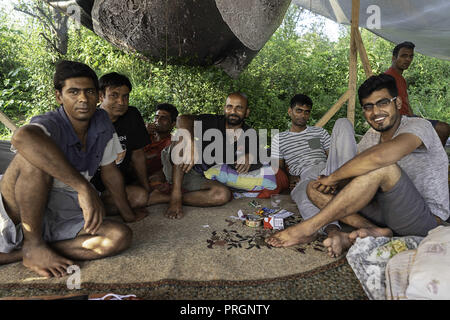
{"x": 297, "y": 59}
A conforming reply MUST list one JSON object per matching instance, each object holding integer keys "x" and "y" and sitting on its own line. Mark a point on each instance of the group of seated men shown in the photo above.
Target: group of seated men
{"x": 80, "y": 162}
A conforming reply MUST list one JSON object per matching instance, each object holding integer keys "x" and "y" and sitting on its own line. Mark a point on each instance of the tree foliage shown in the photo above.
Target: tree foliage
{"x": 294, "y": 60}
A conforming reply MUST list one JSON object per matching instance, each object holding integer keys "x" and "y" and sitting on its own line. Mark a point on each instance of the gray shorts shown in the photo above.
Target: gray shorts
{"x": 63, "y": 219}
{"x": 192, "y": 181}
{"x": 402, "y": 209}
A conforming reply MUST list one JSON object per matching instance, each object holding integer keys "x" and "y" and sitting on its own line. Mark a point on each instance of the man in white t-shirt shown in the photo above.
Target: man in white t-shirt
{"x": 49, "y": 212}
{"x": 399, "y": 178}
{"x": 306, "y": 152}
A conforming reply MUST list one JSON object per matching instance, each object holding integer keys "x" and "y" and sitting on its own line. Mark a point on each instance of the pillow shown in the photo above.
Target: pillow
{"x": 430, "y": 272}
{"x": 282, "y": 181}
{"x": 257, "y": 180}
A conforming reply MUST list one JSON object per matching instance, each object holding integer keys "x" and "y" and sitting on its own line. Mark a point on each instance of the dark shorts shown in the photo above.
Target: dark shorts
{"x": 402, "y": 209}
{"x": 128, "y": 178}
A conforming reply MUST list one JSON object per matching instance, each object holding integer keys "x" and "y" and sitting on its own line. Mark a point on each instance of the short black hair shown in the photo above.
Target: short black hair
{"x": 405, "y": 44}
{"x": 66, "y": 69}
{"x": 169, "y": 108}
{"x": 114, "y": 80}
{"x": 376, "y": 83}
{"x": 301, "y": 100}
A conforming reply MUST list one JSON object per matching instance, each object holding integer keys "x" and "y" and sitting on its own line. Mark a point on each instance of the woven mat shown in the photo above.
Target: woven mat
{"x": 205, "y": 248}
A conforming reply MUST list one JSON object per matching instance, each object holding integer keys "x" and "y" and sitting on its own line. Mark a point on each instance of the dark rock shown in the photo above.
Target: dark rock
{"x": 225, "y": 33}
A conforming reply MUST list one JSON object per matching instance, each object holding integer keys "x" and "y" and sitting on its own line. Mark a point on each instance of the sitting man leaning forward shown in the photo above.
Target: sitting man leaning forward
{"x": 186, "y": 172}
{"x": 46, "y": 187}
{"x": 399, "y": 178}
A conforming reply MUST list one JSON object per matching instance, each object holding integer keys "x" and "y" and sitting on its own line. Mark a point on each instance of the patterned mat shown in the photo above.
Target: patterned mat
{"x": 206, "y": 255}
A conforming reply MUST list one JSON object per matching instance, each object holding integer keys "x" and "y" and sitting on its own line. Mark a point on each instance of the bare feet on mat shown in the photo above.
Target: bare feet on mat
{"x": 367, "y": 232}
{"x": 44, "y": 261}
{"x": 336, "y": 243}
{"x": 175, "y": 210}
{"x": 290, "y": 237}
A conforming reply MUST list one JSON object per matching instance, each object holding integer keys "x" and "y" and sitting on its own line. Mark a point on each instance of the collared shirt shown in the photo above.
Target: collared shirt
{"x": 102, "y": 145}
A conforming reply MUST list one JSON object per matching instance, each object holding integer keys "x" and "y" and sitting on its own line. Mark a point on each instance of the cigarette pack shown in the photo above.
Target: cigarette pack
{"x": 273, "y": 223}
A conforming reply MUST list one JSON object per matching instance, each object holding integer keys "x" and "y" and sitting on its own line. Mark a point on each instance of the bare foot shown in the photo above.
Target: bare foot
{"x": 175, "y": 210}
{"x": 290, "y": 237}
{"x": 367, "y": 232}
{"x": 44, "y": 261}
{"x": 337, "y": 242}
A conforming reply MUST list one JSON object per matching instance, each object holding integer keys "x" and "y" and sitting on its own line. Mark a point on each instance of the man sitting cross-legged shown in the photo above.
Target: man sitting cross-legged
{"x": 305, "y": 152}
{"x": 161, "y": 137}
{"x": 399, "y": 178}
{"x": 227, "y": 131}
{"x": 114, "y": 93}
{"x": 46, "y": 187}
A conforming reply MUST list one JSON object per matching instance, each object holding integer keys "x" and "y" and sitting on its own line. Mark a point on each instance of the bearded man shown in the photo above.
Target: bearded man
{"x": 204, "y": 141}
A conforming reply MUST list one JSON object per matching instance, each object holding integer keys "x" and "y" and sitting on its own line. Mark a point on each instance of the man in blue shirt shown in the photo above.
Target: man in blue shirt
{"x": 46, "y": 187}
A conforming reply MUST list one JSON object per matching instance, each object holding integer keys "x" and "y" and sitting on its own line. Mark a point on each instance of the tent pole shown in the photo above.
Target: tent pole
{"x": 353, "y": 62}
{"x": 332, "y": 111}
{"x": 363, "y": 54}
{"x": 356, "y": 45}
{"x": 7, "y": 122}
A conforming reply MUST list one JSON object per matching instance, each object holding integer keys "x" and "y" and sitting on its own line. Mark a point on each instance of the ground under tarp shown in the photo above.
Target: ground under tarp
{"x": 205, "y": 255}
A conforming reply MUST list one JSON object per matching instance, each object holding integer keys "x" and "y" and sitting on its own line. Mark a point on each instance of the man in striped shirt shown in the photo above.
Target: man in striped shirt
{"x": 303, "y": 152}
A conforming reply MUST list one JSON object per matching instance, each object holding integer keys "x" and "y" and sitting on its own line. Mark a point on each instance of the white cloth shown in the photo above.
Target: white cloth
{"x": 430, "y": 273}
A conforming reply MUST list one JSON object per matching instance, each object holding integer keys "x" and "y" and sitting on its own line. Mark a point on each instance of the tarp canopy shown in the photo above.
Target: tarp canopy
{"x": 425, "y": 23}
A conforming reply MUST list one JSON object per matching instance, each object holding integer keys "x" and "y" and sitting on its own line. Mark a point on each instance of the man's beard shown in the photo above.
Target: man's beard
{"x": 383, "y": 129}
{"x": 235, "y": 121}
{"x": 388, "y": 127}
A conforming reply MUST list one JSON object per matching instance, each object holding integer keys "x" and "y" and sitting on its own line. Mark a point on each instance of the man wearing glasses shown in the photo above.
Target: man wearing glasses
{"x": 398, "y": 178}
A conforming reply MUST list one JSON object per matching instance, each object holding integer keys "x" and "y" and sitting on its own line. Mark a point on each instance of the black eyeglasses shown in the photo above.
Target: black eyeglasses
{"x": 383, "y": 103}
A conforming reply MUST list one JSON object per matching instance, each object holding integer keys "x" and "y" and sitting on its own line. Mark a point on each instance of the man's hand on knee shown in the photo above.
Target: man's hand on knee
{"x": 325, "y": 184}
{"x": 93, "y": 209}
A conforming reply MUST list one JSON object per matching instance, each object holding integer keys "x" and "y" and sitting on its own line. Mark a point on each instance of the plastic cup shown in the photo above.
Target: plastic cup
{"x": 275, "y": 201}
